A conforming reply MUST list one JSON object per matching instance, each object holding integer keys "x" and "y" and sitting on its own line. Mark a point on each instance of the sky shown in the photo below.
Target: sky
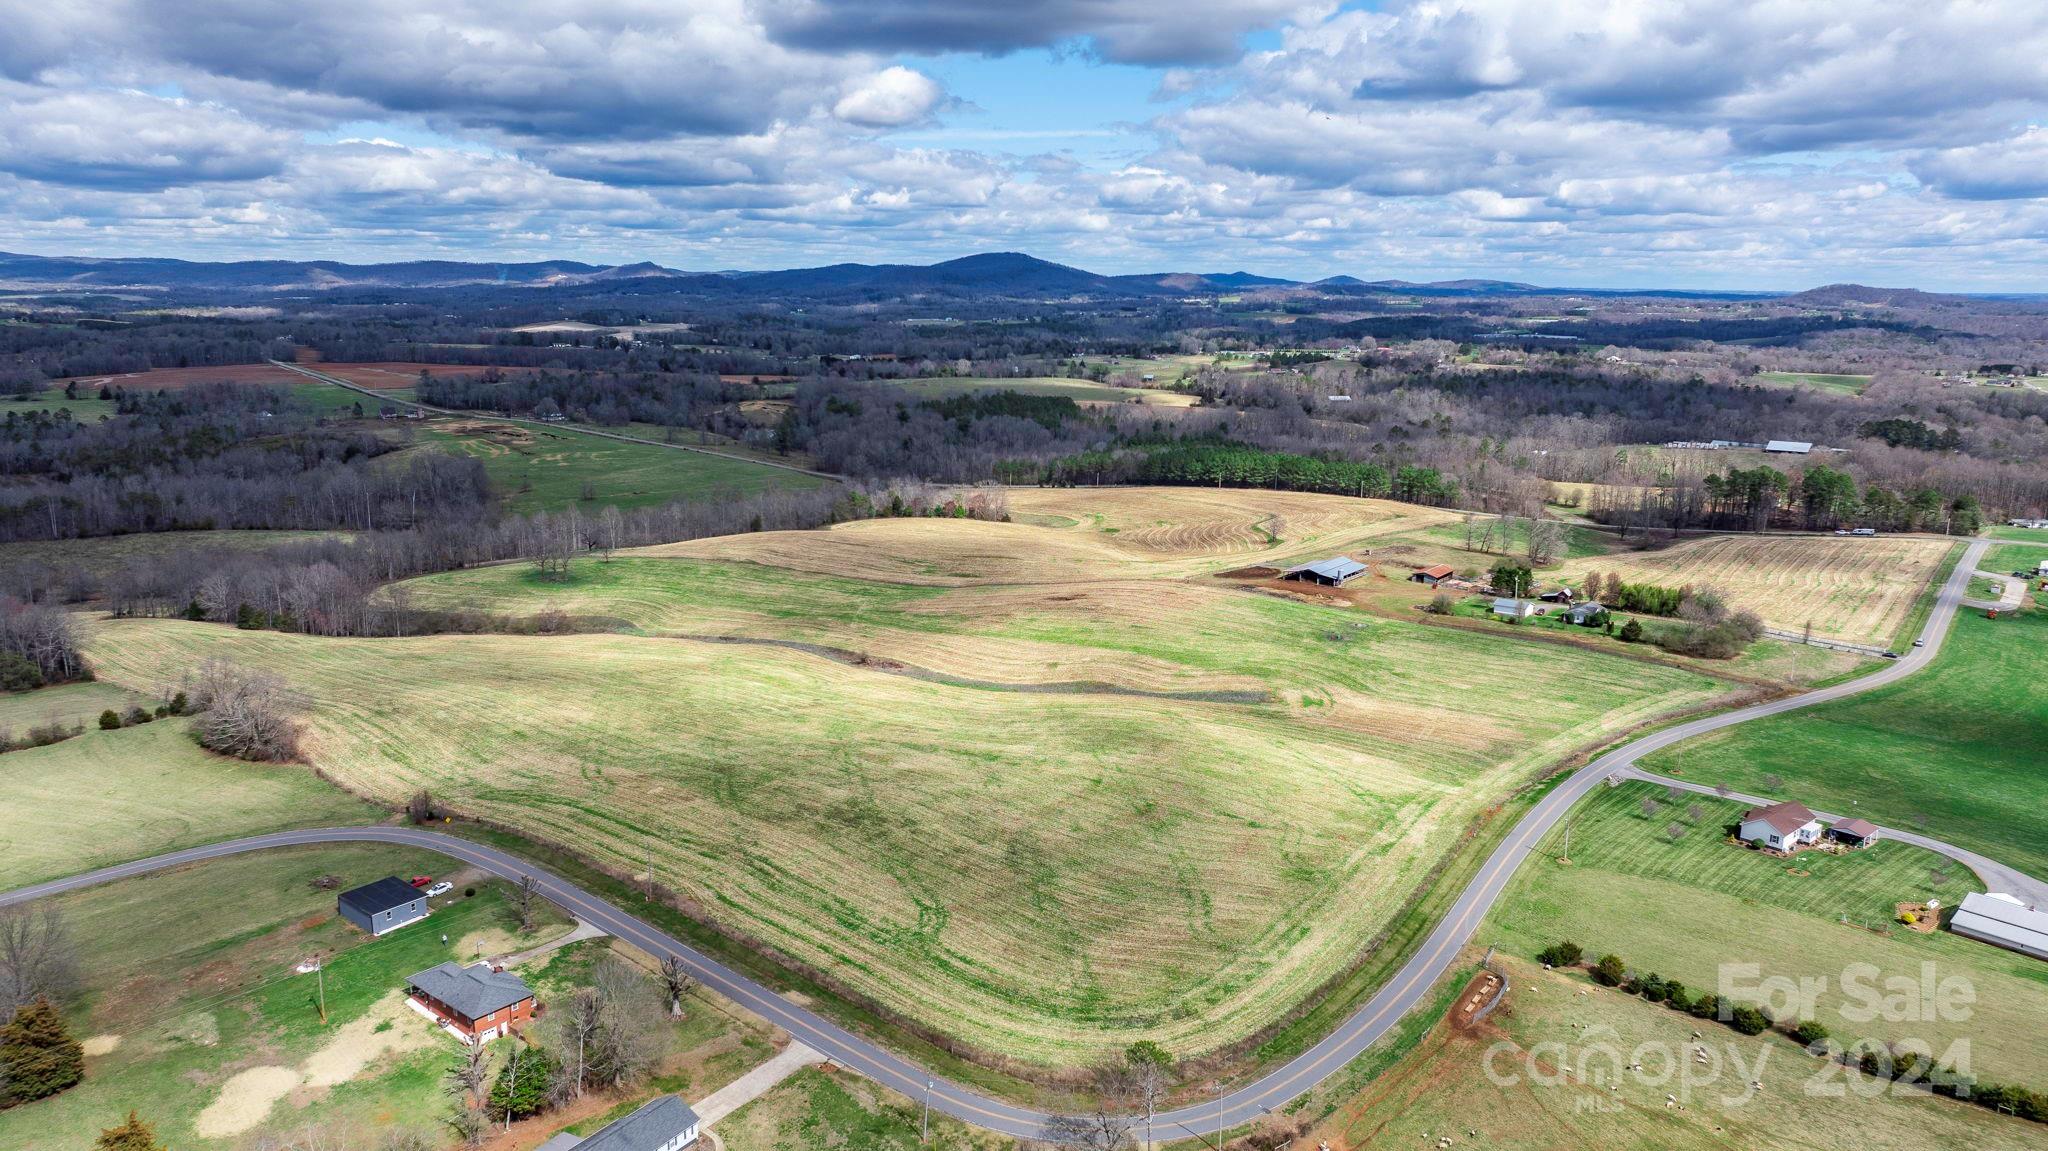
{"x": 1669, "y": 143}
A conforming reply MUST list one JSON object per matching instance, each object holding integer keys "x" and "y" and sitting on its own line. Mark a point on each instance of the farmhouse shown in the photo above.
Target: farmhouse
{"x": 1789, "y": 447}
{"x": 1586, "y": 614}
{"x": 1332, "y": 572}
{"x": 1508, "y": 607}
{"x": 2002, "y": 921}
{"x": 1432, "y": 575}
{"x": 1854, "y": 833}
{"x": 665, "y": 1123}
{"x": 479, "y": 1002}
{"x": 386, "y": 905}
{"x": 1780, "y": 827}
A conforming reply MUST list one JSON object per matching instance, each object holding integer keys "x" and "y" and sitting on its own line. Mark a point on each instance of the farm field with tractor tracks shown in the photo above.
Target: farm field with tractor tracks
{"x": 1048, "y": 789}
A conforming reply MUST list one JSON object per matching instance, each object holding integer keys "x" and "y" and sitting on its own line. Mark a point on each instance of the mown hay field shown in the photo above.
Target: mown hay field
{"x": 1855, "y": 590}
{"x": 948, "y": 825}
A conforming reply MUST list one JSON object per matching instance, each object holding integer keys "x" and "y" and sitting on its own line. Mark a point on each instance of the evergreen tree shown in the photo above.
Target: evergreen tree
{"x": 38, "y": 1055}
{"x": 522, "y": 1086}
{"x": 134, "y": 1135}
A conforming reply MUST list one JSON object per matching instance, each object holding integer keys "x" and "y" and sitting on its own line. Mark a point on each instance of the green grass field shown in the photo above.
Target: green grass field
{"x": 2015, "y": 557}
{"x": 1611, "y": 831}
{"x": 2018, "y": 535}
{"x": 87, "y": 407}
{"x": 545, "y": 470}
{"x": 1685, "y": 909}
{"x": 65, "y": 705}
{"x": 1542, "y": 1073}
{"x": 1842, "y": 385}
{"x": 190, "y": 1002}
{"x": 1955, "y": 748}
{"x": 947, "y": 821}
{"x": 106, "y": 797}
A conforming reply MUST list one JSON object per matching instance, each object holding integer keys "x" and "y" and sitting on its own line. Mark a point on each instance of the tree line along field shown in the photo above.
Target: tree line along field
{"x": 1017, "y": 849}
{"x": 1684, "y": 909}
{"x": 1850, "y": 589}
{"x": 1954, "y": 748}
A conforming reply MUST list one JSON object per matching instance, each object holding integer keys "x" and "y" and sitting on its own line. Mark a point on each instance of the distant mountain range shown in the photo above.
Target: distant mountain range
{"x": 988, "y": 274}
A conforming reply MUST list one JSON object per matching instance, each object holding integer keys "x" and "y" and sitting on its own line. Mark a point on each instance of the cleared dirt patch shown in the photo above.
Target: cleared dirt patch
{"x": 244, "y": 1101}
{"x": 175, "y": 378}
{"x": 101, "y": 1044}
{"x": 510, "y": 435}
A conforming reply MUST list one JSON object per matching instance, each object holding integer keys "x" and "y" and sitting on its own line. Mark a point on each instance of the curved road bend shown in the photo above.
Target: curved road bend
{"x": 1373, "y": 1020}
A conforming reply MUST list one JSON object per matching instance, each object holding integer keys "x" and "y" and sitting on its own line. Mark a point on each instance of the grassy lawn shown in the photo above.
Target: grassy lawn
{"x": 2015, "y": 557}
{"x": 1955, "y": 748}
{"x": 196, "y": 1018}
{"x": 540, "y": 469}
{"x": 1686, "y": 909}
{"x": 1050, "y": 818}
{"x": 106, "y": 797}
{"x": 818, "y": 1108}
{"x": 1551, "y": 1083}
{"x": 2018, "y": 535}
{"x": 1841, "y": 385}
{"x": 1614, "y": 830}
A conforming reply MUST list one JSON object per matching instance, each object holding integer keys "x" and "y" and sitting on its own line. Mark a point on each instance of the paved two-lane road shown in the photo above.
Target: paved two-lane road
{"x": 1372, "y": 1021}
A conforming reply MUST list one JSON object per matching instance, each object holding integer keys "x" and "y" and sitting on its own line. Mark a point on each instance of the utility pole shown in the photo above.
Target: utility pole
{"x": 924, "y": 1133}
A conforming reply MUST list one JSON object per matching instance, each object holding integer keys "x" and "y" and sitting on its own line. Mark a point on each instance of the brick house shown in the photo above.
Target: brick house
{"x": 479, "y": 1003}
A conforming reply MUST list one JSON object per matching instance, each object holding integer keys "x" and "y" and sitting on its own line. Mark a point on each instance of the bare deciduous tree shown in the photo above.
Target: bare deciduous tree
{"x": 469, "y": 1085}
{"x": 1098, "y": 1131}
{"x": 38, "y": 957}
{"x": 677, "y": 981}
{"x": 246, "y": 714}
{"x": 524, "y": 898}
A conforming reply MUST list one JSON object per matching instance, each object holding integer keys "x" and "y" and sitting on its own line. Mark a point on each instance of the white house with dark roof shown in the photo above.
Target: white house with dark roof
{"x": 666, "y": 1123}
{"x": 1779, "y": 827}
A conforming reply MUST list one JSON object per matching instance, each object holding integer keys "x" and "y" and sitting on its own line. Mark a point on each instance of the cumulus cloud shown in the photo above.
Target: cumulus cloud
{"x": 1579, "y": 140}
{"x": 2011, "y": 169}
{"x": 525, "y": 68}
{"x": 131, "y": 140}
{"x": 890, "y": 98}
{"x": 1125, "y": 31}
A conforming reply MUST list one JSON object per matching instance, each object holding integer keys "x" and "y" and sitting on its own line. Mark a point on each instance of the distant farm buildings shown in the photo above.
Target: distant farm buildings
{"x": 1432, "y": 575}
{"x": 2002, "y": 921}
{"x": 1781, "y": 447}
{"x": 1332, "y": 572}
{"x": 1509, "y": 607}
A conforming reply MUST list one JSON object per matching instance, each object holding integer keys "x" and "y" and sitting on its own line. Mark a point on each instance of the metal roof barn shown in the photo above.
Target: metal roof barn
{"x": 2004, "y": 922}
